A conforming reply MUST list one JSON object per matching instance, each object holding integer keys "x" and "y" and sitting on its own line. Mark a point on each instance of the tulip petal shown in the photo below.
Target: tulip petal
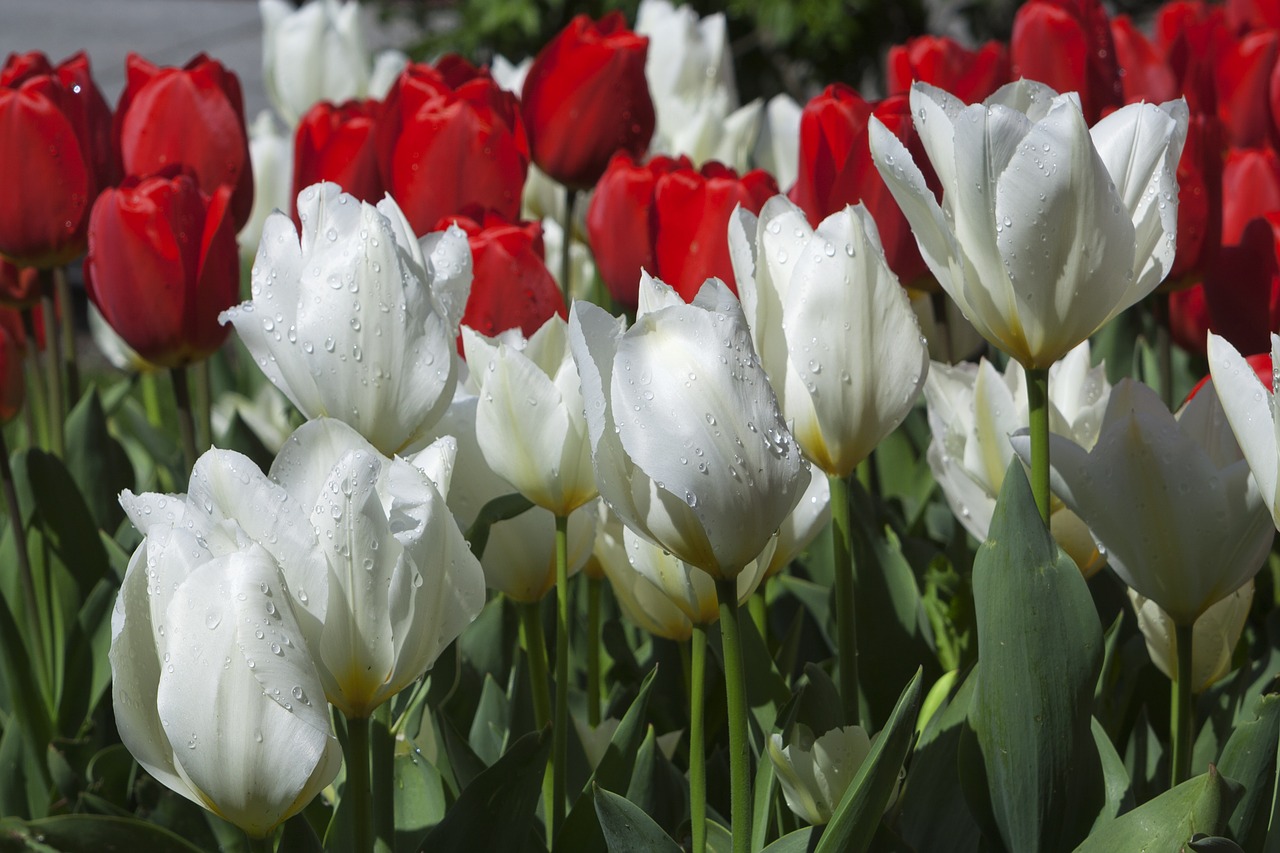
{"x": 135, "y": 676}
{"x": 1083, "y": 270}
{"x": 1250, "y": 411}
{"x": 937, "y": 242}
{"x": 248, "y": 754}
{"x": 594, "y": 336}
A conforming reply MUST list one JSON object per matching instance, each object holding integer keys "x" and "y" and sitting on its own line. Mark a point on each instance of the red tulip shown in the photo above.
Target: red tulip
{"x": 836, "y": 168}
{"x": 1192, "y": 35}
{"x": 1249, "y": 15}
{"x": 55, "y": 156}
{"x": 692, "y": 211}
{"x": 586, "y": 98}
{"x": 1244, "y": 75}
{"x": 1199, "y": 201}
{"x": 1189, "y": 319}
{"x": 621, "y": 224}
{"x": 19, "y": 286}
{"x": 162, "y": 264}
{"x": 1242, "y": 288}
{"x": 12, "y": 350}
{"x": 1067, "y": 44}
{"x": 511, "y": 286}
{"x": 192, "y": 116}
{"x": 1144, "y": 74}
{"x": 1250, "y": 188}
{"x": 970, "y": 75}
{"x": 449, "y": 138}
{"x": 336, "y": 143}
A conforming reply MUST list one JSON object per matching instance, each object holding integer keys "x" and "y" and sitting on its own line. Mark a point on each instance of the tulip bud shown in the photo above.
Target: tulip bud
{"x": 816, "y": 772}
{"x": 1213, "y": 641}
{"x": 55, "y": 156}
{"x": 311, "y": 54}
{"x": 586, "y": 98}
{"x": 336, "y": 143}
{"x": 215, "y": 690}
{"x": 835, "y": 331}
{"x": 441, "y": 122}
{"x": 193, "y": 116}
{"x": 161, "y": 243}
{"x": 354, "y": 318}
{"x": 688, "y": 444}
{"x": 271, "y": 152}
{"x": 511, "y": 286}
{"x": 970, "y": 75}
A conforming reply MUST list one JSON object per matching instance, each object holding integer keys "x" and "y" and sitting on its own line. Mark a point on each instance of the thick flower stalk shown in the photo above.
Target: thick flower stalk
{"x": 354, "y": 318}
{"x": 215, "y": 690}
{"x": 1046, "y": 228}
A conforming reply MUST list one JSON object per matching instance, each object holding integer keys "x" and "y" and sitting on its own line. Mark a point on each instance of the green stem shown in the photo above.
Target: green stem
{"x": 53, "y": 372}
{"x": 1038, "y": 402}
{"x": 535, "y": 648}
{"x": 186, "y": 423}
{"x": 593, "y": 651}
{"x": 566, "y": 256}
{"x": 736, "y": 707}
{"x": 68, "y": 328}
{"x": 383, "y": 755}
{"x": 560, "y": 731}
{"x": 36, "y": 409}
{"x": 846, "y": 617}
{"x": 358, "y": 786}
{"x": 697, "y": 737}
{"x": 151, "y": 398}
{"x": 1182, "y": 710}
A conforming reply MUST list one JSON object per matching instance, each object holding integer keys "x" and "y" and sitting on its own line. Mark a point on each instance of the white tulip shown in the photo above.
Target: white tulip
{"x": 1214, "y": 640}
{"x": 519, "y": 558}
{"x": 777, "y": 149}
{"x": 530, "y": 421}
{"x": 387, "y": 67}
{"x": 315, "y": 53}
{"x": 1046, "y": 229}
{"x": 1251, "y": 410}
{"x": 973, "y": 409}
{"x": 215, "y": 692}
{"x": 816, "y": 772}
{"x": 689, "y": 69}
{"x": 356, "y": 319}
{"x": 802, "y": 526}
{"x": 689, "y": 446}
{"x": 1171, "y": 500}
{"x": 835, "y": 331}
{"x": 271, "y": 155}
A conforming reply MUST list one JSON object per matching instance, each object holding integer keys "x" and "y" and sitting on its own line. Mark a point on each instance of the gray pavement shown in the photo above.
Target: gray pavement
{"x": 167, "y": 32}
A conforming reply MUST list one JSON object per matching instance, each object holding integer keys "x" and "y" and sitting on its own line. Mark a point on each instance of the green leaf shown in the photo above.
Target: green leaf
{"x": 1118, "y": 790}
{"x": 497, "y": 810}
{"x": 97, "y": 462}
{"x": 581, "y": 830}
{"x": 1040, "y": 648}
{"x": 934, "y": 814}
{"x": 1201, "y": 804}
{"x": 793, "y": 842}
{"x": 1212, "y": 844}
{"x": 1250, "y": 758}
{"x": 890, "y": 612}
{"x": 489, "y": 726}
{"x": 626, "y": 828}
{"x": 93, "y": 834}
{"x": 498, "y": 509}
{"x": 420, "y": 801}
{"x": 854, "y": 822}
